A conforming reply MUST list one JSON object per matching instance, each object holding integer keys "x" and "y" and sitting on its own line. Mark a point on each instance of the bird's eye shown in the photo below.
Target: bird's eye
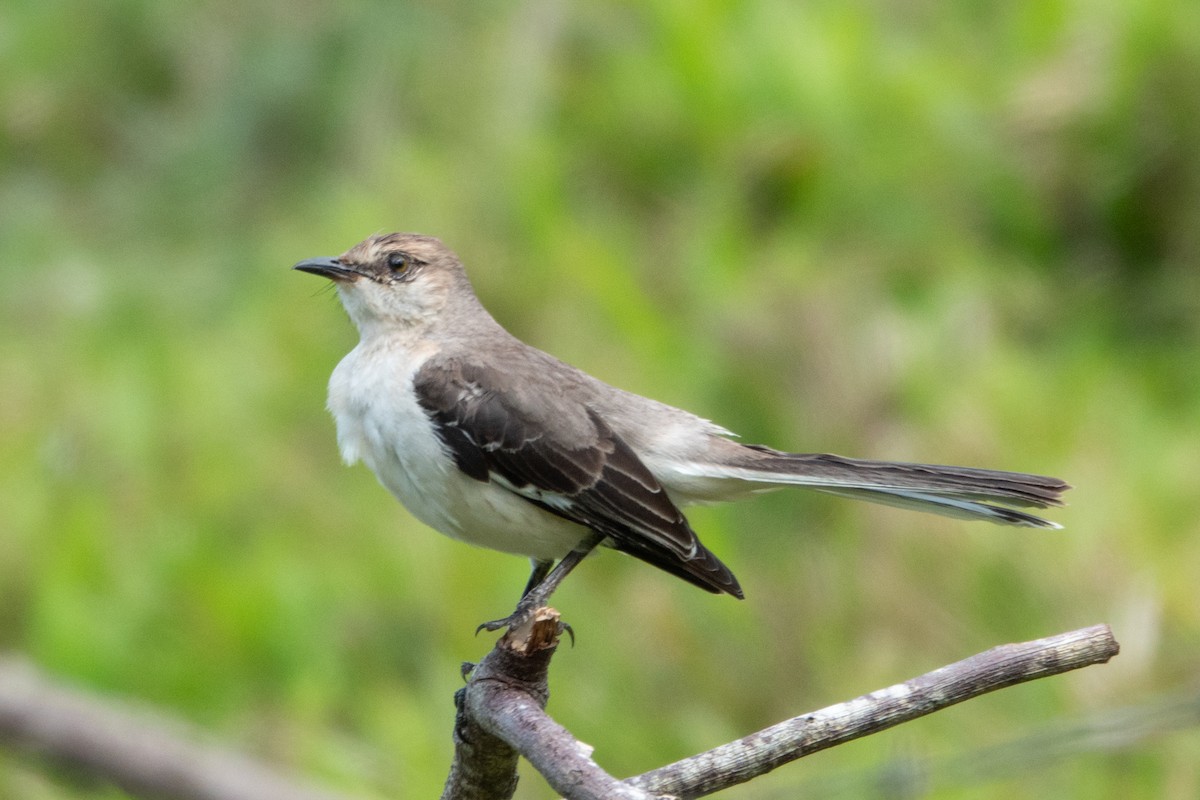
{"x": 398, "y": 262}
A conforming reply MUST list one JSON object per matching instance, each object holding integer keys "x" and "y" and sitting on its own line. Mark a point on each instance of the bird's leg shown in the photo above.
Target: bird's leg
{"x": 540, "y": 569}
{"x": 538, "y": 593}
{"x": 542, "y": 583}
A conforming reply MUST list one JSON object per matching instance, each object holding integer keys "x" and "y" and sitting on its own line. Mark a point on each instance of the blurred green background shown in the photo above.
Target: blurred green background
{"x": 953, "y": 232}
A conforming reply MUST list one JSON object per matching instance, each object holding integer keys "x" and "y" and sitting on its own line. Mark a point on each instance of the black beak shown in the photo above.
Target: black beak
{"x": 327, "y": 267}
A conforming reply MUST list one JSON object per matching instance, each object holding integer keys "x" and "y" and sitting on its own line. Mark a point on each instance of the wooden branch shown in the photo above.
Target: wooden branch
{"x": 1109, "y": 730}
{"x": 772, "y": 747}
{"x": 143, "y": 753}
{"x": 484, "y": 766}
{"x": 507, "y": 694}
{"x": 501, "y": 713}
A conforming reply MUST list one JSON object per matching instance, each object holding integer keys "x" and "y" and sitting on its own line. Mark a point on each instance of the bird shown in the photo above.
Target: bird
{"x": 496, "y": 443}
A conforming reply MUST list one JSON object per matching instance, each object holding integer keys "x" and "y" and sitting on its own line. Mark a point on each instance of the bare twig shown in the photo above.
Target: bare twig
{"x": 507, "y": 695}
{"x": 502, "y": 710}
{"x": 144, "y": 753}
{"x": 1111, "y": 730}
{"x": 772, "y": 747}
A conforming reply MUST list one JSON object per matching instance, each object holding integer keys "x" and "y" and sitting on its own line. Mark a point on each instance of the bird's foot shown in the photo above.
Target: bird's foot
{"x": 521, "y": 614}
{"x": 511, "y": 621}
{"x": 526, "y": 616}
{"x": 532, "y": 610}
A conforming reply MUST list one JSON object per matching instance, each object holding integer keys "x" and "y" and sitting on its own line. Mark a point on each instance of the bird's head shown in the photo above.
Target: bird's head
{"x": 398, "y": 279}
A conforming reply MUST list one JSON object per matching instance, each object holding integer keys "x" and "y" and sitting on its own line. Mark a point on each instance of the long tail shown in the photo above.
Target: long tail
{"x": 962, "y": 492}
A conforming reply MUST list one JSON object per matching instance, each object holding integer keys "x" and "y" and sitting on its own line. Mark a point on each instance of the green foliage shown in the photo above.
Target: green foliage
{"x": 963, "y": 233}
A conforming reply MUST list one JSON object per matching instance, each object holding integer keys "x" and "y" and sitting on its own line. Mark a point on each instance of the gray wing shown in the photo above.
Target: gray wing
{"x": 561, "y": 456}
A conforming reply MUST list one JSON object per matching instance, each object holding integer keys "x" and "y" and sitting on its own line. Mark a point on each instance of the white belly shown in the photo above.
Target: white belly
{"x": 380, "y": 423}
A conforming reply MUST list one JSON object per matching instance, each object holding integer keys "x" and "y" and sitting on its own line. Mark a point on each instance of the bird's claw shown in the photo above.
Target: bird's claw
{"x": 521, "y": 616}
{"x": 496, "y": 624}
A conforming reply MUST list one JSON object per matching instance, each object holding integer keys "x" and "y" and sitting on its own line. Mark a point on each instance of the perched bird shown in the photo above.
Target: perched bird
{"x": 491, "y": 441}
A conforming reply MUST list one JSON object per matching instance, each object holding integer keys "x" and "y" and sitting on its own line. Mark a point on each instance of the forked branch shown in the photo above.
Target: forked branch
{"x": 795, "y": 738}
{"x": 506, "y": 696}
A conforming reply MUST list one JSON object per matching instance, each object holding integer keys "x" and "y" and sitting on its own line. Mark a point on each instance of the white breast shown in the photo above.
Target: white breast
{"x": 380, "y": 423}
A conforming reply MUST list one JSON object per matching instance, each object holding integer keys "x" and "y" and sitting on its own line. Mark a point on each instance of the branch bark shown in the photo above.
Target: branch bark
{"x": 772, "y": 747}
{"x": 501, "y": 713}
{"x": 507, "y": 694}
{"x": 1108, "y": 731}
{"x": 141, "y": 752}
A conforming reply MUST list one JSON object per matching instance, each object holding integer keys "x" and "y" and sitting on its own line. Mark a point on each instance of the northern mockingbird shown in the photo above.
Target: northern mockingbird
{"x": 495, "y": 443}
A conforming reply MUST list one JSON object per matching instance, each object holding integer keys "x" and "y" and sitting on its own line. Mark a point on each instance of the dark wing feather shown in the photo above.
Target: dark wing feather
{"x": 565, "y": 459}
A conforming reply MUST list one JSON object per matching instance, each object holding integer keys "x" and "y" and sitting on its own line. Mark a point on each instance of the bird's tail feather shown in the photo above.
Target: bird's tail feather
{"x": 963, "y": 492}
